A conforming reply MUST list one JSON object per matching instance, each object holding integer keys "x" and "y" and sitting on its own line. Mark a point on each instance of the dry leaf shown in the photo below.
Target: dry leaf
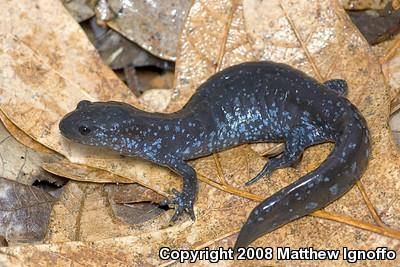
{"x": 132, "y": 193}
{"x": 50, "y": 32}
{"x": 212, "y": 39}
{"x": 21, "y": 137}
{"x": 83, "y": 173}
{"x": 156, "y": 100}
{"x": 85, "y": 212}
{"x": 154, "y": 25}
{"x": 377, "y": 26}
{"x": 315, "y": 37}
{"x": 363, "y": 4}
{"x": 119, "y": 52}
{"x": 20, "y": 163}
{"x": 134, "y": 204}
{"x": 80, "y": 9}
{"x": 24, "y": 212}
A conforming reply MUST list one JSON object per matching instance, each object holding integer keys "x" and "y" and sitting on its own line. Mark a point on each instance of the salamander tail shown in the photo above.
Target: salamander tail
{"x": 334, "y": 177}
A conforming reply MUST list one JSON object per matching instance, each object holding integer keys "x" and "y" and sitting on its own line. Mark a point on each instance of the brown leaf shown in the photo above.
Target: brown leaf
{"x": 316, "y": 37}
{"x": 363, "y": 4}
{"x": 213, "y": 38}
{"x": 80, "y": 9}
{"x": 156, "y": 100}
{"x": 63, "y": 46}
{"x": 83, "y": 173}
{"x": 132, "y": 193}
{"x": 85, "y": 212}
{"x": 154, "y": 25}
{"x": 21, "y": 137}
{"x": 24, "y": 211}
{"x": 134, "y": 204}
{"x": 377, "y": 26}
{"x": 20, "y": 163}
{"x": 119, "y": 52}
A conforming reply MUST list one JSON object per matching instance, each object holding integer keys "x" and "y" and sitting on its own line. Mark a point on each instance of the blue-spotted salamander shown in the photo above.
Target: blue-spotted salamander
{"x": 246, "y": 103}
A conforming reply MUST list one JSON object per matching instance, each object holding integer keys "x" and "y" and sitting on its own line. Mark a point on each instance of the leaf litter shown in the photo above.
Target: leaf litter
{"x": 154, "y": 25}
{"x": 220, "y": 214}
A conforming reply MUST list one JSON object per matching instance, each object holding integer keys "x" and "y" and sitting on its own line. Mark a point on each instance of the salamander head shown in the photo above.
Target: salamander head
{"x": 95, "y": 123}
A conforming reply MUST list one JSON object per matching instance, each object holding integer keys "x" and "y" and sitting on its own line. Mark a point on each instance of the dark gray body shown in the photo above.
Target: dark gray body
{"x": 247, "y": 103}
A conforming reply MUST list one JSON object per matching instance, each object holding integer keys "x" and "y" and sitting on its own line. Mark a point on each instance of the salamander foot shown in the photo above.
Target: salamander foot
{"x": 182, "y": 203}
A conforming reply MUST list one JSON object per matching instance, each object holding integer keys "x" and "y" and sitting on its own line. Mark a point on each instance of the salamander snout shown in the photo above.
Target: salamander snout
{"x": 71, "y": 128}
{"x": 77, "y": 127}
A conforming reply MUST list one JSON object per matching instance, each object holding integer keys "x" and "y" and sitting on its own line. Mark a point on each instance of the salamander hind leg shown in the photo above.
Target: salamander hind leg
{"x": 185, "y": 199}
{"x": 296, "y": 141}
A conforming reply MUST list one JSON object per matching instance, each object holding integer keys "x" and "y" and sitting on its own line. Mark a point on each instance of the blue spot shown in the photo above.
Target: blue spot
{"x": 311, "y": 205}
{"x": 333, "y": 189}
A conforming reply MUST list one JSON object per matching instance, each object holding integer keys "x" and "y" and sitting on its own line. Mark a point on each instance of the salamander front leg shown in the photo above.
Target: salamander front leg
{"x": 295, "y": 144}
{"x": 183, "y": 200}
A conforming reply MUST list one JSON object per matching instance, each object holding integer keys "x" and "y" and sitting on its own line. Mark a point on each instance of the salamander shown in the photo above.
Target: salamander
{"x": 246, "y": 103}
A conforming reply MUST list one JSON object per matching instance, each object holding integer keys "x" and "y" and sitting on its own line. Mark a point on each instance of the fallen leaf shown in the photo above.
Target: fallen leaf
{"x": 85, "y": 212}
{"x": 132, "y": 193}
{"x": 21, "y": 137}
{"x": 333, "y": 48}
{"x": 156, "y": 100}
{"x": 119, "y": 52}
{"x": 20, "y": 163}
{"x": 137, "y": 213}
{"x": 363, "y": 4}
{"x": 63, "y": 46}
{"x": 83, "y": 173}
{"x": 80, "y": 9}
{"x": 377, "y": 26}
{"x": 211, "y": 40}
{"x": 24, "y": 212}
{"x": 134, "y": 204}
{"x": 396, "y": 4}
{"x": 154, "y": 25}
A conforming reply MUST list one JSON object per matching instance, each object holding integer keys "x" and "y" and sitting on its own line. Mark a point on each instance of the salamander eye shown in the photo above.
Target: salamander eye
{"x": 84, "y": 130}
